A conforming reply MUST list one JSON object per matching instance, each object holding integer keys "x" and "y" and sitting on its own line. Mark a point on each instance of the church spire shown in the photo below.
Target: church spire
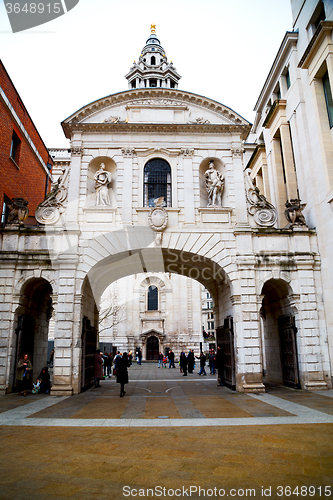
{"x": 153, "y": 68}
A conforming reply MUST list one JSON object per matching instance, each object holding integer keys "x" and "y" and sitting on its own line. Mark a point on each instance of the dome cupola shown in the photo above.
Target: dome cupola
{"x": 152, "y": 69}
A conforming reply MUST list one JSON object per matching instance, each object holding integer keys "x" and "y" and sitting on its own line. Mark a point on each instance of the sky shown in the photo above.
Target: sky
{"x": 223, "y": 49}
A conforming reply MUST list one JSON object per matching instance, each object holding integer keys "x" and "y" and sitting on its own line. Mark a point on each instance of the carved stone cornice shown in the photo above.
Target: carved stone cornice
{"x": 159, "y": 128}
{"x": 135, "y": 97}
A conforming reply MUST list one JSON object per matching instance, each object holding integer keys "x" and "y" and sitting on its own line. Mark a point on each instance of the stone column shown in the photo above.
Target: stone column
{"x": 187, "y": 161}
{"x": 247, "y": 331}
{"x": 239, "y": 186}
{"x": 288, "y": 160}
{"x": 74, "y": 185}
{"x": 127, "y": 181}
{"x": 64, "y": 331}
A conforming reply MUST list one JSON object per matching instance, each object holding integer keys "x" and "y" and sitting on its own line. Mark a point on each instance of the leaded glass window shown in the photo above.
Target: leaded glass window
{"x": 157, "y": 182}
{"x": 153, "y": 298}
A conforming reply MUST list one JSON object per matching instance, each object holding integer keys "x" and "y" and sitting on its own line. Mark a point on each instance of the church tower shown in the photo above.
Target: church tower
{"x": 153, "y": 69}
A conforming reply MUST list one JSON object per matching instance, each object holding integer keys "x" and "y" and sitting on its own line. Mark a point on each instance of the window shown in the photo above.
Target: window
{"x": 133, "y": 84}
{"x": 320, "y": 16}
{"x": 210, "y": 325}
{"x": 152, "y": 82}
{"x": 5, "y": 211}
{"x": 153, "y": 61}
{"x": 288, "y": 79}
{"x": 157, "y": 182}
{"x": 172, "y": 84}
{"x": 328, "y": 98}
{"x": 15, "y": 147}
{"x": 152, "y": 298}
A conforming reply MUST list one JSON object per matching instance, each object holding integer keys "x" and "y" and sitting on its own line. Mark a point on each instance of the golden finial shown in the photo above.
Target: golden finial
{"x": 153, "y": 29}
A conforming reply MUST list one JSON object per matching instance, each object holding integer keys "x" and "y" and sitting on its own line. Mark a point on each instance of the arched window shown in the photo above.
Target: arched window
{"x": 157, "y": 182}
{"x": 153, "y": 298}
{"x": 153, "y": 61}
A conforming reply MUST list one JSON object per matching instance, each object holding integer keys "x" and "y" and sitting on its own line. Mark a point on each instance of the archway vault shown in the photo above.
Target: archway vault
{"x": 156, "y": 260}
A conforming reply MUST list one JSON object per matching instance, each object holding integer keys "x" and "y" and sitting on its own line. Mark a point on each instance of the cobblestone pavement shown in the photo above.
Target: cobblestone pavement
{"x": 169, "y": 431}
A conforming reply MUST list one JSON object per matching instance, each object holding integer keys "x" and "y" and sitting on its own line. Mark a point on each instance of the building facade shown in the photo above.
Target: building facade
{"x": 293, "y": 158}
{"x": 160, "y": 181}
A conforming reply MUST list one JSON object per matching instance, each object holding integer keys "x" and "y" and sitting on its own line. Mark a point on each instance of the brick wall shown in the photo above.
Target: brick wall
{"x": 26, "y": 178}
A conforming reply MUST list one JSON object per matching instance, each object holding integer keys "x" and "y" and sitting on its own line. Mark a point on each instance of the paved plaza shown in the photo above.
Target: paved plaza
{"x": 168, "y": 437}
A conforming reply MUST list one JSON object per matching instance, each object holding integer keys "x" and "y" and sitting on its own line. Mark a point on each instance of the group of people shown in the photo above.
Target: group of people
{"x": 121, "y": 363}
{"x": 187, "y": 363}
{"x": 24, "y": 377}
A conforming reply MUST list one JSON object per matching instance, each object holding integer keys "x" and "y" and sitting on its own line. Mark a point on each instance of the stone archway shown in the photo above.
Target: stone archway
{"x": 280, "y": 349}
{"x": 32, "y": 317}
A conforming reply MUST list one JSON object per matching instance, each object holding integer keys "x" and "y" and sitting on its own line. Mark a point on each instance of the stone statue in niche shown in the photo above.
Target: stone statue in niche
{"x": 102, "y": 181}
{"x": 214, "y": 185}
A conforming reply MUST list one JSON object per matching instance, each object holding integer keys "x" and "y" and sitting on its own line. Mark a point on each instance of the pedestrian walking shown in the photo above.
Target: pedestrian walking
{"x": 98, "y": 367}
{"x": 160, "y": 360}
{"x": 23, "y": 374}
{"x": 219, "y": 365}
{"x": 139, "y": 356}
{"x": 202, "y": 359}
{"x": 122, "y": 373}
{"x": 183, "y": 363}
{"x": 212, "y": 361}
{"x": 190, "y": 361}
{"x": 171, "y": 357}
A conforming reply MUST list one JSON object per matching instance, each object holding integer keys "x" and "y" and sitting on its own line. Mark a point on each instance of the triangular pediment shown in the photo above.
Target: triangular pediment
{"x": 155, "y": 106}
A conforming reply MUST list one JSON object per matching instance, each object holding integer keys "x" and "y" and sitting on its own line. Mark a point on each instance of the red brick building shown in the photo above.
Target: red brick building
{"x": 25, "y": 162}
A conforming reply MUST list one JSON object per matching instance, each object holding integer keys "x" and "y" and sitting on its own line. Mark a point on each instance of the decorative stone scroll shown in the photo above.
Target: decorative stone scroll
{"x": 18, "y": 211}
{"x": 263, "y": 212}
{"x": 48, "y": 212}
{"x": 158, "y": 219}
{"x": 294, "y": 213}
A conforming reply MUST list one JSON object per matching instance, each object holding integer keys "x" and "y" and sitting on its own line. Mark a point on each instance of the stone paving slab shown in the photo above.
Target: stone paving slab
{"x": 101, "y": 463}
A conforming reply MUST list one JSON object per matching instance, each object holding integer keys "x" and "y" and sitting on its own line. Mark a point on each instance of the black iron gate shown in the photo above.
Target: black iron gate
{"x": 288, "y": 347}
{"x": 89, "y": 343}
{"x": 225, "y": 340}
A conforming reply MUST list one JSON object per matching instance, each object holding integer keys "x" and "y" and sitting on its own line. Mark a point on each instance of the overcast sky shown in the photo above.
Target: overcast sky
{"x": 223, "y": 49}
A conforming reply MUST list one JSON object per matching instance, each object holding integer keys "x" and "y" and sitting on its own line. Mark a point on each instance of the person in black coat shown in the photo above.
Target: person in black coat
{"x": 44, "y": 380}
{"x": 219, "y": 365}
{"x": 183, "y": 363}
{"x": 190, "y": 361}
{"x": 122, "y": 373}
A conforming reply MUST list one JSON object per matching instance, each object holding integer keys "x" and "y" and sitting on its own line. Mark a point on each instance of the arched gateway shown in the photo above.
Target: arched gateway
{"x": 200, "y": 216}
